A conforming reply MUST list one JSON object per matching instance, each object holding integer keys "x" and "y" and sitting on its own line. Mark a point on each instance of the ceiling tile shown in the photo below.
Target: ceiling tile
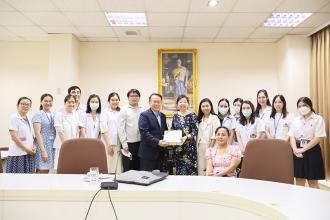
{"x": 245, "y": 19}
{"x": 166, "y": 39}
{"x": 122, "y": 5}
{"x": 87, "y": 18}
{"x": 167, "y": 5}
{"x": 264, "y": 32}
{"x": 230, "y": 40}
{"x": 241, "y": 32}
{"x": 316, "y": 20}
{"x": 77, "y": 5}
{"x": 301, "y": 5}
{"x": 201, "y": 6}
{"x": 256, "y": 5}
{"x": 4, "y": 33}
{"x": 191, "y": 32}
{"x": 62, "y": 30}
{"x": 166, "y": 32}
{"x": 36, "y": 38}
{"x": 97, "y": 31}
{"x": 135, "y": 39}
{"x": 301, "y": 31}
{"x": 27, "y": 31}
{"x": 32, "y": 5}
{"x": 166, "y": 19}
{"x": 83, "y": 39}
{"x": 326, "y": 8}
{"x": 5, "y": 7}
{"x": 103, "y": 39}
{"x": 198, "y": 40}
{"x": 120, "y": 31}
{"x": 48, "y": 18}
{"x": 206, "y": 19}
{"x": 13, "y": 18}
{"x": 262, "y": 40}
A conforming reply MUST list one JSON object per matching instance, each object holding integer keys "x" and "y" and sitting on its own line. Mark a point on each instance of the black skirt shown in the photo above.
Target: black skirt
{"x": 311, "y": 166}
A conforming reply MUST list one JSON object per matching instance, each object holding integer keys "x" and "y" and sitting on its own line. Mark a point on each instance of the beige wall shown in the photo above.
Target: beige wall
{"x": 224, "y": 70}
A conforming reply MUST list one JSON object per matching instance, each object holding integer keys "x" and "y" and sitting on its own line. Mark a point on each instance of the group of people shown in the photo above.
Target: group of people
{"x": 213, "y": 144}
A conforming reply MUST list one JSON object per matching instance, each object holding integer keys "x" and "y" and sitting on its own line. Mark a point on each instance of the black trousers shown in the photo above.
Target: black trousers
{"x": 133, "y": 164}
{"x": 150, "y": 165}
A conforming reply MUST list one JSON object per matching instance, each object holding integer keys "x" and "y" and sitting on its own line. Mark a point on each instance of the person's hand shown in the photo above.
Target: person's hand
{"x": 300, "y": 150}
{"x": 184, "y": 138}
{"x": 31, "y": 151}
{"x": 44, "y": 156}
{"x": 111, "y": 151}
{"x": 126, "y": 150}
{"x": 209, "y": 174}
{"x": 163, "y": 143}
{"x": 300, "y": 155}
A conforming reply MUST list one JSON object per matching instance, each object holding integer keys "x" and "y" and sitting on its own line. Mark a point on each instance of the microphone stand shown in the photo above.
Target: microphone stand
{"x": 114, "y": 184}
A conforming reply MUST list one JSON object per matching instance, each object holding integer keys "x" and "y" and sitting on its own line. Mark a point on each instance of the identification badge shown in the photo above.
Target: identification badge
{"x": 51, "y": 137}
{"x": 303, "y": 142}
{"x": 22, "y": 138}
{"x": 253, "y": 135}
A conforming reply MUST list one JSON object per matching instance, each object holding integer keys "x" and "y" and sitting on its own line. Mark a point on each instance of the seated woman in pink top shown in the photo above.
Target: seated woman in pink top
{"x": 222, "y": 159}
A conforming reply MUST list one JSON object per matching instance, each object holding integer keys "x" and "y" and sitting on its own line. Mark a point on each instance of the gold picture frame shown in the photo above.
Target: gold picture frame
{"x": 177, "y": 75}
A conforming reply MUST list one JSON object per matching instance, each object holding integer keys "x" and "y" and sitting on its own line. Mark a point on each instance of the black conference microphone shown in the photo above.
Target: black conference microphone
{"x": 114, "y": 184}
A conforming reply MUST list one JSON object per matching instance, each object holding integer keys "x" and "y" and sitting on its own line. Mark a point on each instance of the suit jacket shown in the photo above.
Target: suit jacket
{"x": 151, "y": 133}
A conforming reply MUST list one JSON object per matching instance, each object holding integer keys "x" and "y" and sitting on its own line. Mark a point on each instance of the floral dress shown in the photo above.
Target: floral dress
{"x": 184, "y": 157}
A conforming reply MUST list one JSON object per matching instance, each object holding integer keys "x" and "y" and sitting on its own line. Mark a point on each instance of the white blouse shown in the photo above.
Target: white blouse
{"x": 68, "y": 123}
{"x": 314, "y": 126}
{"x": 91, "y": 126}
{"x": 206, "y": 129}
{"x": 109, "y": 123}
{"x": 24, "y": 132}
{"x": 279, "y": 126}
{"x": 249, "y": 131}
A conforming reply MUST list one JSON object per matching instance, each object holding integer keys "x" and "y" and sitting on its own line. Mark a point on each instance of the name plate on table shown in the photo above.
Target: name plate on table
{"x": 173, "y": 137}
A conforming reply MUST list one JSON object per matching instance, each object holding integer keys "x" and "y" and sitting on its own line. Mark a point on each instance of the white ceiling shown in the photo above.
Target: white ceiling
{"x": 168, "y": 20}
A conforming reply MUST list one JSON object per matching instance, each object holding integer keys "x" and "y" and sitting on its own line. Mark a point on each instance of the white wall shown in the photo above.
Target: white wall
{"x": 224, "y": 70}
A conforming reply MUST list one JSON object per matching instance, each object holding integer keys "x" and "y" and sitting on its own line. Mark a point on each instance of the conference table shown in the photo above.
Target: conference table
{"x": 67, "y": 196}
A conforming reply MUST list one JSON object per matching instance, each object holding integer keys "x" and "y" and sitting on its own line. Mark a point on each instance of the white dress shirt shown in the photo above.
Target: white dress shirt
{"x": 128, "y": 129}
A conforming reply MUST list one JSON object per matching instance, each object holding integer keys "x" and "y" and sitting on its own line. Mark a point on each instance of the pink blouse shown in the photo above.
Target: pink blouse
{"x": 222, "y": 162}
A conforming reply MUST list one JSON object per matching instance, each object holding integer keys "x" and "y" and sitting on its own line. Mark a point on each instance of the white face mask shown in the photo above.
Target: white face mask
{"x": 304, "y": 110}
{"x": 237, "y": 109}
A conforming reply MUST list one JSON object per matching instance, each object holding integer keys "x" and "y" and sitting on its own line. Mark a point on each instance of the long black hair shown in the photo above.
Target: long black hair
{"x": 242, "y": 118}
{"x": 200, "y": 112}
{"x": 227, "y": 101}
{"x": 258, "y": 105}
{"x": 284, "y": 110}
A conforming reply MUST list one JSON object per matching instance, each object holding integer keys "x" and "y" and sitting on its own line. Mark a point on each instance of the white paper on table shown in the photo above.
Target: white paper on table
{"x": 173, "y": 137}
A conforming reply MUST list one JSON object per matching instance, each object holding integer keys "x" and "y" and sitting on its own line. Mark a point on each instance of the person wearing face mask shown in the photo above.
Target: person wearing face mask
{"x": 43, "y": 124}
{"x": 237, "y": 107}
{"x": 226, "y": 119}
{"x": 90, "y": 121}
{"x": 67, "y": 125}
{"x": 278, "y": 125}
{"x": 21, "y": 149}
{"x": 185, "y": 156}
{"x": 109, "y": 131}
{"x": 248, "y": 127}
{"x": 208, "y": 122}
{"x": 306, "y": 132}
{"x": 223, "y": 158}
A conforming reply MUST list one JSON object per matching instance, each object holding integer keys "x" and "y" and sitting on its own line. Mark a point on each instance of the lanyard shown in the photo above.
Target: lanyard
{"x": 50, "y": 119}
{"x": 276, "y": 124}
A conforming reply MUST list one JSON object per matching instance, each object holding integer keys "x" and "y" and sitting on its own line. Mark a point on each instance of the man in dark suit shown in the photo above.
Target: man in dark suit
{"x": 152, "y": 124}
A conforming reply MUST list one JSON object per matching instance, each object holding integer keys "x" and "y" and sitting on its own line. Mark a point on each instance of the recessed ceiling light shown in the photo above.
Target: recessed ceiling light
{"x": 126, "y": 19}
{"x": 286, "y": 19}
{"x": 212, "y": 3}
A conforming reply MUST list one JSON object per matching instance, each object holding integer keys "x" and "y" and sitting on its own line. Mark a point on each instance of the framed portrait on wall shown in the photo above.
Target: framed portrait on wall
{"x": 177, "y": 75}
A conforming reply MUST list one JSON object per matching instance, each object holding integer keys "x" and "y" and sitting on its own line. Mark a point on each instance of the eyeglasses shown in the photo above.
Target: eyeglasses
{"x": 25, "y": 104}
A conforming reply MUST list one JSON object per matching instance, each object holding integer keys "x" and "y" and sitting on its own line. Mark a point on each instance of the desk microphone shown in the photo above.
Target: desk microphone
{"x": 114, "y": 184}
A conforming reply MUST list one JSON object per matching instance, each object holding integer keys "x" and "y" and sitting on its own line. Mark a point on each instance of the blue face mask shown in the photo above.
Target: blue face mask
{"x": 247, "y": 113}
{"x": 94, "y": 106}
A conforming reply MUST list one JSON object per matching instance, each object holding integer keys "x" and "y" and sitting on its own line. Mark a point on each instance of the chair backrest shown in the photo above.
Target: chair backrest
{"x": 2, "y": 149}
{"x": 270, "y": 160}
{"x": 78, "y": 155}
